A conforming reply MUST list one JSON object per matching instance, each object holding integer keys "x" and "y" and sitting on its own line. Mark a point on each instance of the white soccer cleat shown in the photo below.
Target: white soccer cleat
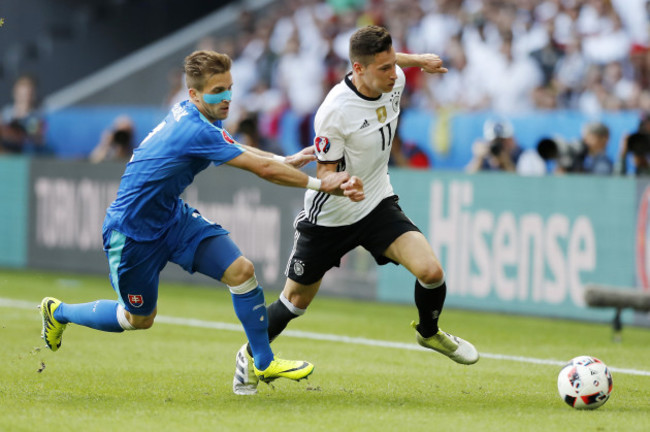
{"x": 245, "y": 381}
{"x": 457, "y": 349}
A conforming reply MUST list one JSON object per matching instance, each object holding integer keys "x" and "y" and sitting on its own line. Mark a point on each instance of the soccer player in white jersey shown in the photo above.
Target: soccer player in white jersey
{"x": 149, "y": 225}
{"x": 355, "y": 126}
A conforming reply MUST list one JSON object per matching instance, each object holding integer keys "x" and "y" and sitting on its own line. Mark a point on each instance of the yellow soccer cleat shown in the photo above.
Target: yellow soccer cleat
{"x": 52, "y": 329}
{"x": 457, "y": 349}
{"x": 292, "y": 369}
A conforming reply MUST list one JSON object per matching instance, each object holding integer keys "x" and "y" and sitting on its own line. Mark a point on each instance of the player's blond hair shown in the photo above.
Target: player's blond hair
{"x": 201, "y": 65}
{"x": 368, "y": 41}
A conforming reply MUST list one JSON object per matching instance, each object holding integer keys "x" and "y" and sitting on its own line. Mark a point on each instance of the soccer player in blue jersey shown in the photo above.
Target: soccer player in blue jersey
{"x": 149, "y": 225}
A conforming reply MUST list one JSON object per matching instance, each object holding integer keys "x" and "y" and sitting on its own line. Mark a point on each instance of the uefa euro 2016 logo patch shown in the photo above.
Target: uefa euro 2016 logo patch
{"x": 322, "y": 144}
{"x": 136, "y": 300}
{"x": 227, "y": 137}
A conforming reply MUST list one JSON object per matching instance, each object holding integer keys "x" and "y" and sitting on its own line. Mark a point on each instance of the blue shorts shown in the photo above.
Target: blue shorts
{"x": 135, "y": 266}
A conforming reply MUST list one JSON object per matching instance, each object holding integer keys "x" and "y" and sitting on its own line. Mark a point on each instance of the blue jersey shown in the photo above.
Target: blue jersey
{"x": 163, "y": 165}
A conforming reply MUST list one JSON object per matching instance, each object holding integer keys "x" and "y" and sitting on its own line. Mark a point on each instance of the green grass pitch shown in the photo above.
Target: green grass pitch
{"x": 177, "y": 377}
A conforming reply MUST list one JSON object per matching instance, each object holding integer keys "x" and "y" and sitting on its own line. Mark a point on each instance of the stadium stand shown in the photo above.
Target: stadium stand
{"x": 566, "y": 61}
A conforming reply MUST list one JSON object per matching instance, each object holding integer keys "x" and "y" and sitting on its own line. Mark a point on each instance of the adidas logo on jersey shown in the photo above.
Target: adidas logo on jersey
{"x": 365, "y": 124}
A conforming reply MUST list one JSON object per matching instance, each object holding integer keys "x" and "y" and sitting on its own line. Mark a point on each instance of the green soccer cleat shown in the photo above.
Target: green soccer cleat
{"x": 457, "y": 349}
{"x": 245, "y": 381}
{"x": 292, "y": 369}
{"x": 52, "y": 329}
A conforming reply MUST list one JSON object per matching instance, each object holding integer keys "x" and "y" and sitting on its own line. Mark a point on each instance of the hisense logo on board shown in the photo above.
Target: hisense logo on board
{"x": 515, "y": 256}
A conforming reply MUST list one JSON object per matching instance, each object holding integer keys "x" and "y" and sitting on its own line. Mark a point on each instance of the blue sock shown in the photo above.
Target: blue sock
{"x": 99, "y": 315}
{"x": 251, "y": 311}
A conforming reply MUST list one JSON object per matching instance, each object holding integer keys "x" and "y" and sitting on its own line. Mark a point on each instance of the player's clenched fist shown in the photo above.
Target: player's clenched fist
{"x": 353, "y": 189}
{"x": 340, "y": 183}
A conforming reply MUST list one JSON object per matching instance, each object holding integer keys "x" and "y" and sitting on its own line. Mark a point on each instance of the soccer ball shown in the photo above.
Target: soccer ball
{"x": 585, "y": 383}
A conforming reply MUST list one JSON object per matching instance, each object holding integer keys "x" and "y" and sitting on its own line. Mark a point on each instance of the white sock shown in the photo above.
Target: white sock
{"x": 293, "y": 309}
{"x": 121, "y": 318}
{"x": 432, "y": 285}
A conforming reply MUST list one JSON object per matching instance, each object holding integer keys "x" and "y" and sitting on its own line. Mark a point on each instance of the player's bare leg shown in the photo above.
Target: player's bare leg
{"x": 141, "y": 322}
{"x": 300, "y": 295}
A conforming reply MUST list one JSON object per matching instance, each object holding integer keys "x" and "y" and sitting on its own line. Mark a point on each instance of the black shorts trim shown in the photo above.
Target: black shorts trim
{"x": 318, "y": 248}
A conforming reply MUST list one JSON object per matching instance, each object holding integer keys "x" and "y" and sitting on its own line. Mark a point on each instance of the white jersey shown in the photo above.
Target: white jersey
{"x": 356, "y": 132}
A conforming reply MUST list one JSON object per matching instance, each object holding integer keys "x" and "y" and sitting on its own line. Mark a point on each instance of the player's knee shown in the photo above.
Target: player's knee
{"x": 431, "y": 275}
{"x": 141, "y": 322}
{"x": 240, "y": 271}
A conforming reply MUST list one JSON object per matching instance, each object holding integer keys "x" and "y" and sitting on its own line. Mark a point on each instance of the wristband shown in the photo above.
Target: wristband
{"x": 313, "y": 183}
{"x": 279, "y": 158}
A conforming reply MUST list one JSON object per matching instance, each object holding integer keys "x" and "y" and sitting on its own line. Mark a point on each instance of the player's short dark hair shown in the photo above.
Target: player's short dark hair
{"x": 201, "y": 65}
{"x": 368, "y": 41}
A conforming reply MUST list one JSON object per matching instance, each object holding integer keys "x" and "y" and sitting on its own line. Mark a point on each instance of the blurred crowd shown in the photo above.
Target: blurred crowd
{"x": 505, "y": 56}
{"x": 502, "y": 55}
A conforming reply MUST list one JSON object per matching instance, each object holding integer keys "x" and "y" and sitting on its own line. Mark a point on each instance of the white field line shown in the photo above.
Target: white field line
{"x": 215, "y": 325}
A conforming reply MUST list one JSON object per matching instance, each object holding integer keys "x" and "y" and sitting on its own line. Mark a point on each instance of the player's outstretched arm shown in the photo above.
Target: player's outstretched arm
{"x": 429, "y": 63}
{"x": 302, "y": 158}
{"x": 280, "y": 173}
{"x": 297, "y": 160}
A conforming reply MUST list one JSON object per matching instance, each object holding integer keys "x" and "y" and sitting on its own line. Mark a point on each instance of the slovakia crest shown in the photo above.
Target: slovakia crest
{"x": 322, "y": 144}
{"x": 136, "y": 300}
{"x": 227, "y": 137}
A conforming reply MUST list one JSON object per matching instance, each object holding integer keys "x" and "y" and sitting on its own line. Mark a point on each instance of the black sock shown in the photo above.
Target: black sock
{"x": 429, "y": 302}
{"x": 278, "y": 316}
